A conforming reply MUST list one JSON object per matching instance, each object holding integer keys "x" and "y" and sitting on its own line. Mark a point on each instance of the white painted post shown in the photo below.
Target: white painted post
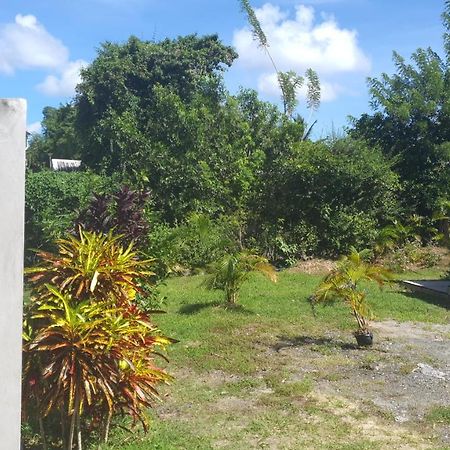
{"x": 12, "y": 192}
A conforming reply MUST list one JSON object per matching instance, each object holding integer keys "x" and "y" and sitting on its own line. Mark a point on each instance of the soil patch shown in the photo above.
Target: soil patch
{"x": 403, "y": 376}
{"x": 315, "y": 266}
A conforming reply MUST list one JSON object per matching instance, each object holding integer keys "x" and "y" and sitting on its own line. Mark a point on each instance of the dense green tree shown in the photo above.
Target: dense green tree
{"x": 325, "y": 197}
{"x": 411, "y": 123}
{"x": 51, "y": 203}
{"x": 116, "y": 98}
{"x": 58, "y": 139}
{"x": 201, "y": 158}
{"x": 158, "y": 114}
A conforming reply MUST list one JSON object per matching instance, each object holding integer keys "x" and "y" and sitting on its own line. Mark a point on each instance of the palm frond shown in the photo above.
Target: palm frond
{"x": 343, "y": 283}
{"x": 233, "y": 270}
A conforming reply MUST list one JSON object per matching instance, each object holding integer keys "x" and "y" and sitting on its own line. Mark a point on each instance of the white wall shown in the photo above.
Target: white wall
{"x": 12, "y": 184}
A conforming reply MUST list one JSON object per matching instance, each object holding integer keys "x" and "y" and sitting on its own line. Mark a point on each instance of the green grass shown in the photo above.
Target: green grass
{"x": 233, "y": 390}
{"x": 439, "y": 414}
{"x": 196, "y": 317}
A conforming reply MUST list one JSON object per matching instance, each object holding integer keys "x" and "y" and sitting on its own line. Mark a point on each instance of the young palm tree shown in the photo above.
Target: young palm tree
{"x": 343, "y": 283}
{"x": 233, "y": 270}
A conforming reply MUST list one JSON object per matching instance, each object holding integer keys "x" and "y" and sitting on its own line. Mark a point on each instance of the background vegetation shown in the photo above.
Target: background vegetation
{"x": 156, "y": 116}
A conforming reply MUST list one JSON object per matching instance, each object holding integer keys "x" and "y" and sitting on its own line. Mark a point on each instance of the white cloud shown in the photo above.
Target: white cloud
{"x": 268, "y": 85}
{"x": 34, "y": 127}
{"x": 26, "y": 44}
{"x": 63, "y": 85}
{"x": 300, "y": 43}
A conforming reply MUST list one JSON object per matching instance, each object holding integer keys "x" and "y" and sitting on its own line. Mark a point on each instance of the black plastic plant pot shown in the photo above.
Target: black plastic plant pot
{"x": 364, "y": 339}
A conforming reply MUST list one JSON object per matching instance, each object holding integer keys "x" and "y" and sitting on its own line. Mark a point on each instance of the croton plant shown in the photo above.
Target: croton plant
{"x": 89, "y": 351}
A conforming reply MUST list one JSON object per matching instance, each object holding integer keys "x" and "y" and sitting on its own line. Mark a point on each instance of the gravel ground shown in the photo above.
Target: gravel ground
{"x": 404, "y": 375}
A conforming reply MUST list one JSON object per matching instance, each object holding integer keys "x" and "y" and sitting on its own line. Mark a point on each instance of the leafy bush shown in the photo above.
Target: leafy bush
{"x": 283, "y": 247}
{"x": 123, "y": 211}
{"x": 89, "y": 350}
{"x": 339, "y": 192}
{"x": 404, "y": 244}
{"x": 194, "y": 244}
{"x": 415, "y": 229}
{"x": 51, "y": 202}
{"x": 92, "y": 263}
{"x": 348, "y": 227}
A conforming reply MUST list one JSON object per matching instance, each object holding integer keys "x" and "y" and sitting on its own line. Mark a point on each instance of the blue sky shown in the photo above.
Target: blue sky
{"x": 43, "y": 43}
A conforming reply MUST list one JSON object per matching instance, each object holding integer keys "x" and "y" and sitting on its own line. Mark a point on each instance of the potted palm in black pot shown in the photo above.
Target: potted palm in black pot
{"x": 344, "y": 283}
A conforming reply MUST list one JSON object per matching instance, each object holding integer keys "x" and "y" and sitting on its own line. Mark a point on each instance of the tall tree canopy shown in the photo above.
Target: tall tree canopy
{"x": 411, "y": 123}
{"x": 58, "y": 139}
{"x": 119, "y": 91}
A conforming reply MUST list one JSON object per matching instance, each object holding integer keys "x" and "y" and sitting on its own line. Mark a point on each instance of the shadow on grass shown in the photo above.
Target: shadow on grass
{"x": 436, "y": 299}
{"x": 195, "y": 308}
{"x": 304, "y": 341}
{"x": 330, "y": 343}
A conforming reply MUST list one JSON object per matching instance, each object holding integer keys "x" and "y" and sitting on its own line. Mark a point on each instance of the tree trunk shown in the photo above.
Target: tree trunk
{"x": 444, "y": 229}
{"x": 78, "y": 422}
{"x": 362, "y": 322}
{"x": 75, "y": 424}
{"x": 71, "y": 432}
{"x": 232, "y": 297}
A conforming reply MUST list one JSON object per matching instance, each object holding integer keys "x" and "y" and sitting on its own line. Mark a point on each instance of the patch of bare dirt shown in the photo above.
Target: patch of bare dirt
{"x": 235, "y": 405}
{"x": 388, "y": 434}
{"x": 315, "y": 266}
{"x": 403, "y": 376}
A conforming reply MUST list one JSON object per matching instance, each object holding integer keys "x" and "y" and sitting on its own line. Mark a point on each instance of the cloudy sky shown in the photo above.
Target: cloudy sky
{"x": 44, "y": 43}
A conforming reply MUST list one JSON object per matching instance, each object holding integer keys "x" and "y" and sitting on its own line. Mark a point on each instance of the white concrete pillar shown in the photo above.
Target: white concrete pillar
{"x": 12, "y": 189}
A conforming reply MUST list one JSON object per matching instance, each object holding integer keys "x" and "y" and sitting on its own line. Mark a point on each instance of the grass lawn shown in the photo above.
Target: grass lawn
{"x": 259, "y": 376}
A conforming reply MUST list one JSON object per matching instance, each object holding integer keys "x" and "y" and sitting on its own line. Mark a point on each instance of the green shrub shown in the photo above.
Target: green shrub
{"x": 285, "y": 246}
{"x": 335, "y": 194}
{"x": 89, "y": 351}
{"x": 192, "y": 245}
{"x": 124, "y": 211}
{"x": 51, "y": 203}
{"x": 347, "y": 228}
